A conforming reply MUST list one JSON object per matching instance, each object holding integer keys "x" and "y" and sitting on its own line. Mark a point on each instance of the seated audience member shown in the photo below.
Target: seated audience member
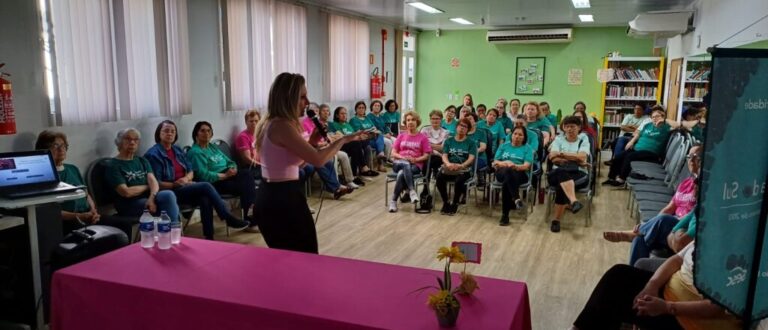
{"x": 376, "y": 116}
{"x": 211, "y": 165}
{"x": 341, "y": 156}
{"x": 653, "y": 234}
{"x": 666, "y": 299}
{"x": 79, "y": 212}
{"x": 362, "y": 123}
{"x": 629, "y": 126}
{"x": 581, "y": 106}
{"x": 647, "y": 145}
{"x": 544, "y": 107}
{"x": 504, "y": 118}
{"x": 585, "y": 127}
{"x": 248, "y": 158}
{"x": 436, "y": 135}
{"x": 307, "y": 124}
{"x": 532, "y": 136}
{"x": 479, "y": 137}
{"x": 537, "y": 122}
{"x": 458, "y": 156}
{"x": 327, "y": 172}
{"x": 514, "y": 108}
{"x": 135, "y": 185}
{"x": 695, "y": 113}
{"x": 174, "y": 172}
{"x": 450, "y": 121}
{"x": 568, "y": 153}
{"x": 512, "y": 163}
{"x": 392, "y": 117}
{"x": 355, "y": 149}
{"x": 494, "y": 126}
{"x": 467, "y": 100}
{"x": 410, "y": 151}
{"x": 465, "y": 111}
{"x": 481, "y": 111}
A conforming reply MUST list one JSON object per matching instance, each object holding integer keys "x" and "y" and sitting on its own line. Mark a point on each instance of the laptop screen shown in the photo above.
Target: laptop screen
{"x": 27, "y": 169}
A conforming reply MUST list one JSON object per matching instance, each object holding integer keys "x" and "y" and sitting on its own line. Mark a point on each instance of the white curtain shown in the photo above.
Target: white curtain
{"x": 118, "y": 59}
{"x": 290, "y": 38}
{"x": 178, "y": 96}
{"x": 264, "y": 38}
{"x": 84, "y": 62}
{"x": 348, "y": 50}
{"x": 140, "y": 93}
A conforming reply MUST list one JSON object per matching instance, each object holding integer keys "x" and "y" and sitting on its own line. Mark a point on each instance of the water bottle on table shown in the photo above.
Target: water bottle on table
{"x": 147, "y": 229}
{"x": 175, "y": 231}
{"x": 164, "y": 232}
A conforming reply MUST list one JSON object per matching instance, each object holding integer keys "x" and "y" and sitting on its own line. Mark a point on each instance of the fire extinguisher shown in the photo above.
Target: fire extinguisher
{"x": 7, "y": 115}
{"x": 376, "y": 86}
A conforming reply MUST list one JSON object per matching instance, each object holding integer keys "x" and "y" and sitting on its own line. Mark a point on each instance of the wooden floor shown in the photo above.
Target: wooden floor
{"x": 560, "y": 269}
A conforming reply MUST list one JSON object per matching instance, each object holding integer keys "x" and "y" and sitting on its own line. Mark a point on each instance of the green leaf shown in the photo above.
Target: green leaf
{"x": 442, "y": 285}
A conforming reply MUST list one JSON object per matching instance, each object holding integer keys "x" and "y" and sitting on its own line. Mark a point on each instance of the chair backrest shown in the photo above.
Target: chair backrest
{"x": 186, "y": 149}
{"x": 95, "y": 176}
{"x": 223, "y": 147}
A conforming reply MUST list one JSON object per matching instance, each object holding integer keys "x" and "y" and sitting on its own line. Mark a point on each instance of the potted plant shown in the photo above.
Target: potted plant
{"x": 444, "y": 301}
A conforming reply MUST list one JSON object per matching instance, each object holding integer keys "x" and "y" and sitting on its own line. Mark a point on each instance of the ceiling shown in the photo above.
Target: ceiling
{"x": 500, "y": 13}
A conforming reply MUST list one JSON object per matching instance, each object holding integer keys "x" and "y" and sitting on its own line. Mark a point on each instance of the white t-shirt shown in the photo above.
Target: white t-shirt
{"x": 562, "y": 145}
{"x": 435, "y": 136}
{"x": 634, "y": 121}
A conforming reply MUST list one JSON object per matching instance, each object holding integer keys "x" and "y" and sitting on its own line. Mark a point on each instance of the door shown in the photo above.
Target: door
{"x": 675, "y": 76}
{"x": 407, "y": 82}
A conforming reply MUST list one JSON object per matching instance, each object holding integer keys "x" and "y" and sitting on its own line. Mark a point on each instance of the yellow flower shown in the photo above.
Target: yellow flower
{"x": 468, "y": 284}
{"x": 442, "y": 301}
{"x": 452, "y": 253}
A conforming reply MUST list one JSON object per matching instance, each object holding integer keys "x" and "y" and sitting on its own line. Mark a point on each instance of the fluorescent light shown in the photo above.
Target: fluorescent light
{"x": 462, "y": 21}
{"x": 580, "y": 3}
{"x": 424, "y": 7}
{"x": 586, "y": 18}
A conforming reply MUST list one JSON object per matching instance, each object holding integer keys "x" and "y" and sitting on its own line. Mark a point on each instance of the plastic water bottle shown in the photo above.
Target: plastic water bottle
{"x": 175, "y": 231}
{"x": 164, "y": 232}
{"x": 156, "y": 220}
{"x": 147, "y": 229}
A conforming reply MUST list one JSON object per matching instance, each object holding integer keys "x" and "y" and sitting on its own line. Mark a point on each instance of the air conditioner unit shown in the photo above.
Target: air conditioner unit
{"x": 659, "y": 24}
{"x": 530, "y": 36}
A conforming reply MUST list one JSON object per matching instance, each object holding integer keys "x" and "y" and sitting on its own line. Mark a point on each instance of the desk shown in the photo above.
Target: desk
{"x": 213, "y": 285}
{"x": 30, "y": 204}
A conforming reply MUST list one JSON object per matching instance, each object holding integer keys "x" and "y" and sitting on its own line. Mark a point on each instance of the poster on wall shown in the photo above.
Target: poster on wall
{"x": 575, "y": 76}
{"x": 529, "y": 78}
{"x": 731, "y": 258}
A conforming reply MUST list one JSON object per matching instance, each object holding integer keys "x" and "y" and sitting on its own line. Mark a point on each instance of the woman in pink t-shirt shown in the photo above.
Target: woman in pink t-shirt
{"x": 409, "y": 152}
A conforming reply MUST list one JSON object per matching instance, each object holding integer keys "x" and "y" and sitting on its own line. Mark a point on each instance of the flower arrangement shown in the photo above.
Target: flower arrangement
{"x": 444, "y": 301}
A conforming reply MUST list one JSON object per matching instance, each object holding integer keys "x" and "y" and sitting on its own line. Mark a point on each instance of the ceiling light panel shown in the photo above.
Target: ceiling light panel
{"x": 425, "y": 7}
{"x": 580, "y": 3}
{"x": 461, "y": 21}
{"x": 586, "y": 18}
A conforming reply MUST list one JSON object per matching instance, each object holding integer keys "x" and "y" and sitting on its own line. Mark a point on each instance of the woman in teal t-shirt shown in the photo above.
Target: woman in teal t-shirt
{"x": 494, "y": 126}
{"x": 537, "y": 122}
{"x": 450, "y": 121}
{"x": 79, "y": 212}
{"x": 392, "y": 116}
{"x": 362, "y": 123}
{"x": 458, "y": 156}
{"x": 512, "y": 162}
{"x": 355, "y": 149}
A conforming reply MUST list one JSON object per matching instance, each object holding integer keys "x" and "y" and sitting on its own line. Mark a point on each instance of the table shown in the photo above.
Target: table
{"x": 212, "y": 285}
{"x": 30, "y": 203}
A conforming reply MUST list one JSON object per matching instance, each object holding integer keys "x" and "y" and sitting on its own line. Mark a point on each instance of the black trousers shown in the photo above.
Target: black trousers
{"x": 622, "y": 165}
{"x": 284, "y": 217}
{"x": 611, "y": 302}
{"x": 242, "y": 185}
{"x": 558, "y": 176}
{"x": 356, "y": 152}
{"x": 510, "y": 189}
{"x": 459, "y": 187}
{"x": 435, "y": 162}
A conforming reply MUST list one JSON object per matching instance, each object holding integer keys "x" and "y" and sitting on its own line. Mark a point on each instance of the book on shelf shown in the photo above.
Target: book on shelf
{"x": 611, "y": 134}
{"x": 694, "y": 92}
{"x": 630, "y": 73}
{"x": 698, "y": 74}
{"x": 613, "y": 118}
{"x": 636, "y": 91}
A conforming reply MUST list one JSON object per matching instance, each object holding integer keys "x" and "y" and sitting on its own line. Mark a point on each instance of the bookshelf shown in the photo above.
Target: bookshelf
{"x": 635, "y": 79}
{"x": 695, "y": 82}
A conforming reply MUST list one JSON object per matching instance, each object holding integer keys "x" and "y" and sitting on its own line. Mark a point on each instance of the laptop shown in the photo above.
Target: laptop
{"x": 29, "y": 174}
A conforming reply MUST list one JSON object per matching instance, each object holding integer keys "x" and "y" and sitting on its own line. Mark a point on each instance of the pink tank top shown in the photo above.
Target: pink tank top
{"x": 277, "y": 162}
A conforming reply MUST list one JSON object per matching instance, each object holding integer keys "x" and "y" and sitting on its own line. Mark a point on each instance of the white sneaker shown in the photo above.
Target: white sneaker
{"x": 392, "y": 206}
{"x": 414, "y": 197}
{"x": 352, "y": 185}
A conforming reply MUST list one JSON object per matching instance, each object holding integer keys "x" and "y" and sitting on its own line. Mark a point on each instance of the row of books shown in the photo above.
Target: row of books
{"x": 694, "y": 92}
{"x": 613, "y": 118}
{"x": 630, "y": 73}
{"x": 609, "y": 135}
{"x": 698, "y": 74}
{"x": 629, "y": 91}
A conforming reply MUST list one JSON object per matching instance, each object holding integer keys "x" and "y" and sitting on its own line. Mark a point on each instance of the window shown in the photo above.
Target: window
{"x": 348, "y": 55}
{"x": 116, "y": 60}
{"x": 263, "y": 38}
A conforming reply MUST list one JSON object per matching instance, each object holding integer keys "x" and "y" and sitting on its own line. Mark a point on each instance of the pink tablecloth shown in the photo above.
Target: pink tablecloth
{"x": 212, "y": 285}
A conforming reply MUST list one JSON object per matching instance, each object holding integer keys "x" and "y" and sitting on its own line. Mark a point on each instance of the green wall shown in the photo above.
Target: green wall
{"x": 487, "y": 71}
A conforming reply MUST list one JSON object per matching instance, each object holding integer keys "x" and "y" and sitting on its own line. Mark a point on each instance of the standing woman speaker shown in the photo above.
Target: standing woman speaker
{"x": 285, "y": 220}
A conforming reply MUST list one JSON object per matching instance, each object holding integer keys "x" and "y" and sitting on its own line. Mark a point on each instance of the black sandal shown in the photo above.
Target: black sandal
{"x": 555, "y": 227}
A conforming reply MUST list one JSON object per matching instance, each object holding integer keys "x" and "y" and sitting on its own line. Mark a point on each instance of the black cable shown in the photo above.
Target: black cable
{"x": 317, "y": 215}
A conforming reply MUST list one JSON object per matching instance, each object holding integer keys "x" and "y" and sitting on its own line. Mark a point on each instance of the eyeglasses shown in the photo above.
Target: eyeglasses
{"x": 60, "y": 146}
{"x": 435, "y": 118}
{"x": 127, "y": 139}
{"x": 692, "y": 157}
{"x": 657, "y": 116}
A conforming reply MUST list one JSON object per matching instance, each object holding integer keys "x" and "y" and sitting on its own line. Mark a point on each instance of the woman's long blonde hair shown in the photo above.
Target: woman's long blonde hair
{"x": 284, "y": 98}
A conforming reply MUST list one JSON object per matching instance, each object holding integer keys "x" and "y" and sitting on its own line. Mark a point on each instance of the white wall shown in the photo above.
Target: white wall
{"x": 21, "y": 51}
